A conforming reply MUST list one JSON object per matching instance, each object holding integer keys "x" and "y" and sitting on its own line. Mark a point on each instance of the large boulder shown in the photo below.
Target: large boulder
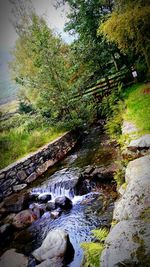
{"x": 54, "y": 247}
{"x": 24, "y": 218}
{"x": 138, "y": 170}
{"x": 128, "y": 244}
{"x": 63, "y": 202}
{"x": 136, "y": 199}
{"x": 13, "y": 259}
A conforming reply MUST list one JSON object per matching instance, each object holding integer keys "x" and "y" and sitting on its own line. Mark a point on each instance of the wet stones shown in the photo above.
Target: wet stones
{"x": 63, "y": 202}
{"x": 50, "y": 206}
{"x": 44, "y": 197}
{"x": 92, "y": 176}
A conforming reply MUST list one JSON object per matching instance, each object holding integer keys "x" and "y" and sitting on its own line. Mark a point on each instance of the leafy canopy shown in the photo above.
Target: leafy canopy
{"x": 128, "y": 27}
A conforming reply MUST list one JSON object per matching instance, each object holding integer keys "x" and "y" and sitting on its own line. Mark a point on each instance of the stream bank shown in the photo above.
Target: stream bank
{"x": 128, "y": 242}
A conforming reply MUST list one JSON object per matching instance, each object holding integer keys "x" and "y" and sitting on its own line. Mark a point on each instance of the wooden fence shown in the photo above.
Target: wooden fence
{"x": 106, "y": 85}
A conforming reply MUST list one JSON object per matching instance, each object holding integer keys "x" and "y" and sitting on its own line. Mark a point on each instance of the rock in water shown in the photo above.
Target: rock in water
{"x": 53, "y": 246}
{"x": 24, "y": 218}
{"x": 63, "y": 202}
{"x": 44, "y": 197}
{"x": 13, "y": 259}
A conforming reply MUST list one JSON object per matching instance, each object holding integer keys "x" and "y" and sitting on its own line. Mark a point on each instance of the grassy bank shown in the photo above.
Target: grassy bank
{"x": 131, "y": 104}
{"x": 23, "y": 134}
{"x": 137, "y": 100}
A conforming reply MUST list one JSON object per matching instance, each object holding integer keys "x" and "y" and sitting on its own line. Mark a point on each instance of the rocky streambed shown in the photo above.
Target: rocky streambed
{"x": 45, "y": 225}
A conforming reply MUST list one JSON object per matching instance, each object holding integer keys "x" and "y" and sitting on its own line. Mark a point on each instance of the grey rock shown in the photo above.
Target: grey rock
{"x": 141, "y": 143}
{"x": 7, "y": 183}
{"x": 63, "y": 202}
{"x": 21, "y": 175}
{"x": 128, "y": 244}
{"x": 133, "y": 202}
{"x": 53, "y": 246}
{"x": 2, "y": 176}
{"x": 27, "y": 162}
{"x": 44, "y": 197}
{"x": 136, "y": 198}
{"x": 13, "y": 259}
{"x": 19, "y": 187}
{"x": 50, "y": 206}
{"x": 31, "y": 178}
{"x": 138, "y": 170}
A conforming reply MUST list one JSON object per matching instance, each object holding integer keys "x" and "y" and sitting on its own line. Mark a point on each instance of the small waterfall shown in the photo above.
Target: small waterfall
{"x": 62, "y": 183}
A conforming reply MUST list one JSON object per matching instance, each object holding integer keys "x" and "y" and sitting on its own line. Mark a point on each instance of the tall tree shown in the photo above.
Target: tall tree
{"x": 84, "y": 18}
{"x": 128, "y": 27}
{"x": 42, "y": 65}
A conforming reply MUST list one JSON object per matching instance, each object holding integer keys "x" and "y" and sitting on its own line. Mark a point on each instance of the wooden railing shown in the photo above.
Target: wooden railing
{"x": 106, "y": 85}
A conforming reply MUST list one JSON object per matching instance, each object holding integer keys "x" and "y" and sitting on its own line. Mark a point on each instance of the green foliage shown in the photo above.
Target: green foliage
{"x": 23, "y": 134}
{"x": 92, "y": 254}
{"x": 25, "y": 108}
{"x": 119, "y": 177}
{"x": 112, "y": 108}
{"x": 93, "y": 250}
{"x": 44, "y": 67}
{"x": 128, "y": 27}
{"x": 101, "y": 234}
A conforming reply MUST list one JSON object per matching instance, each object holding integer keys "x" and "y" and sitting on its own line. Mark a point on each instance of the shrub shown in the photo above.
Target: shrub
{"x": 93, "y": 250}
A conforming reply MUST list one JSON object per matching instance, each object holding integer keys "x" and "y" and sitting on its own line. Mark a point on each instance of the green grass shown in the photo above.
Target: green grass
{"x": 22, "y": 135}
{"x": 137, "y": 100}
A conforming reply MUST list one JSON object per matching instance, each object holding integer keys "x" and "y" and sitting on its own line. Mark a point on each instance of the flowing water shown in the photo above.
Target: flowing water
{"x": 89, "y": 211}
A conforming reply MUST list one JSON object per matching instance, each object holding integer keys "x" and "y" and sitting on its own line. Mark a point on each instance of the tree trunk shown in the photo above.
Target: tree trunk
{"x": 147, "y": 59}
{"x": 115, "y": 62}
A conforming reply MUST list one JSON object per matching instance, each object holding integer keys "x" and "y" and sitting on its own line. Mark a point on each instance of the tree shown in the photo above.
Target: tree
{"x": 93, "y": 51}
{"x": 41, "y": 64}
{"x": 128, "y": 27}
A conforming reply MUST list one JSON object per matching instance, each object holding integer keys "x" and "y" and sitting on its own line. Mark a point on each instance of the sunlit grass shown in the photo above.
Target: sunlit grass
{"x": 16, "y": 144}
{"x": 137, "y": 99}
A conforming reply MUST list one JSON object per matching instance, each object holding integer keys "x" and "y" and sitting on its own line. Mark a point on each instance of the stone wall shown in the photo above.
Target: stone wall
{"x": 19, "y": 174}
